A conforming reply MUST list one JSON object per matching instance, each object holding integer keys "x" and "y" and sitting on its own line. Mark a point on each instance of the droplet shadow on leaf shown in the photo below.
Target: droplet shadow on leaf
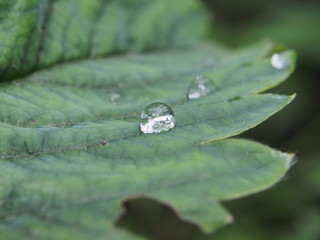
{"x": 155, "y": 220}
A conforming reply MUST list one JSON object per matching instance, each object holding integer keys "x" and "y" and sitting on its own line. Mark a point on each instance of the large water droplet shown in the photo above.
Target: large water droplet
{"x": 157, "y": 118}
{"x": 201, "y": 86}
{"x": 278, "y": 61}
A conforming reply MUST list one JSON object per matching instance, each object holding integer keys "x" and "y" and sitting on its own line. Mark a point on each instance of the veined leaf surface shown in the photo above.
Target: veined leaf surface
{"x": 71, "y": 149}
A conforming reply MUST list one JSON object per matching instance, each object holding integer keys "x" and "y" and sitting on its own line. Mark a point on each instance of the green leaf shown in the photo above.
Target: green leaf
{"x": 55, "y": 167}
{"x": 71, "y": 149}
{"x": 36, "y": 34}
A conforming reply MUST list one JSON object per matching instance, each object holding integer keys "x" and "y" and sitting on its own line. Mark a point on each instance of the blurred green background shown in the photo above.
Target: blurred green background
{"x": 291, "y": 209}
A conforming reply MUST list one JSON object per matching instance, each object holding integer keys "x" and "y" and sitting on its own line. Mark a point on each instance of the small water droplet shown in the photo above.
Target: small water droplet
{"x": 157, "y": 118}
{"x": 201, "y": 86}
{"x": 278, "y": 61}
{"x": 114, "y": 97}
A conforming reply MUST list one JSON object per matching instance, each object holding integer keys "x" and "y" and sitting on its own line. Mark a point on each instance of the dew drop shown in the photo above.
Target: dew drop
{"x": 278, "y": 61}
{"x": 201, "y": 86}
{"x": 157, "y": 118}
{"x": 114, "y": 97}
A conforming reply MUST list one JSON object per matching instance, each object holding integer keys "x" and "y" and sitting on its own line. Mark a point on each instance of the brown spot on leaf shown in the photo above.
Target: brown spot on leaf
{"x": 103, "y": 142}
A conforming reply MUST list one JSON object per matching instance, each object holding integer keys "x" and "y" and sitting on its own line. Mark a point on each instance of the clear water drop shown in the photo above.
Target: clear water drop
{"x": 157, "y": 118}
{"x": 114, "y": 97}
{"x": 201, "y": 86}
{"x": 278, "y": 61}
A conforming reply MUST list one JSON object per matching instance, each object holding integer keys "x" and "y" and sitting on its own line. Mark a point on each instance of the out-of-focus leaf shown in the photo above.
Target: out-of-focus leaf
{"x": 36, "y": 34}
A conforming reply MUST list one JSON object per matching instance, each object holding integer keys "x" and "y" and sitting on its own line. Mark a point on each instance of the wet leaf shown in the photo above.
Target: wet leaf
{"x": 71, "y": 152}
